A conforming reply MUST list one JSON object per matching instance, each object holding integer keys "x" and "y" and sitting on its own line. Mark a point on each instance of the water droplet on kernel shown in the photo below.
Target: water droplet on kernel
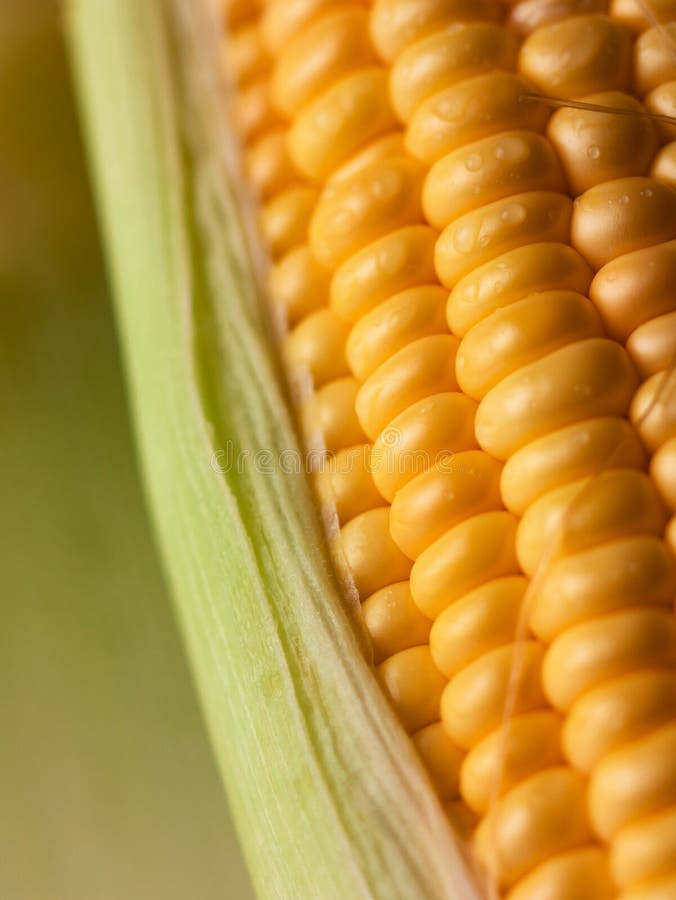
{"x": 386, "y": 185}
{"x": 342, "y": 219}
{"x": 327, "y": 121}
{"x": 464, "y": 239}
{"x": 513, "y": 214}
{"x": 473, "y": 162}
{"x": 447, "y": 109}
{"x": 513, "y": 148}
{"x": 593, "y": 151}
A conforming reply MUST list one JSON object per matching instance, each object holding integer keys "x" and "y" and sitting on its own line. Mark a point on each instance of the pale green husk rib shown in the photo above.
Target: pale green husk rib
{"x": 329, "y": 798}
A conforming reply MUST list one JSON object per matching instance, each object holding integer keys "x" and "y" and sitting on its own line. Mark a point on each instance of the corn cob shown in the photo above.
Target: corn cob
{"x": 521, "y": 162}
{"x": 286, "y": 689}
{"x": 419, "y": 704}
{"x": 489, "y": 466}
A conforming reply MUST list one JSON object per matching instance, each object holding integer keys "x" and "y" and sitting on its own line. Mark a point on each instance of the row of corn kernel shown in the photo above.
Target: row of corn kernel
{"x": 636, "y": 294}
{"x": 619, "y": 212}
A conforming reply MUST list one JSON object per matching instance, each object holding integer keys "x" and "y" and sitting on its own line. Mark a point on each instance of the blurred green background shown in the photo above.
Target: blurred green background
{"x": 108, "y": 790}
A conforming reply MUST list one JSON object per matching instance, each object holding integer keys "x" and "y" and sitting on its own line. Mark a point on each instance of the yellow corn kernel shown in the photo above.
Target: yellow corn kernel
{"x": 318, "y": 345}
{"x": 459, "y": 52}
{"x": 656, "y": 889}
{"x": 475, "y": 108}
{"x": 473, "y": 701}
{"x": 528, "y": 744}
{"x": 593, "y": 652}
{"x": 664, "y": 165}
{"x": 645, "y": 850}
{"x": 396, "y": 24}
{"x": 511, "y": 277}
{"x": 357, "y": 211}
{"x": 481, "y": 235}
{"x": 565, "y": 455}
{"x": 653, "y": 411}
{"x": 590, "y": 378}
{"x": 578, "y": 56}
{"x": 663, "y": 472}
{"x": 482, "y": 620}
{"x": 236, "y": 12}
{"x": 330, "y": 415}
{"x": 469, "y": 555}
{"x": 577, "y": 873}
{"x": 595, "y": 147}
{"x": 414, "y": 684}
{"x": 615, "y": 713}
{"x": 541, "y": 817}
{"x": 529, "y": 15}
{"x": 372, "y": 556}
{"x": 340, "y": 121}
{"x": 637, "y": 16}
{"x": 427, "y": 366}
{"x": 662, "y": 101}
{"x": 393, "y": 621}
{"x": 298, "y": 285}
{"x": 268, "y": 166}
{"x": 441, "y": 757}
{"x": 633, "y": 782}
{"x": 464, "y": 485}
{"x": 253, "y": 110}
{"x": 462, "y": 820}
{"x": 335, "y": 45}
{"x": 650, "y": 274}
{"x": 388, "y": 146}
{"x": 282, "y": 20}
{"x": 670, "y": 535}
{"x": 284, "y": 220}
{"x": 400, "y": 260}
{"x": 426, "y": 433}
{"x": 627, "y": 573}
{"x": 520, "y": 334}
{"x": 622, "y": 216}
{"x": 244, "y": 54}
{"x": 654, "y": 59}
{"x": 346, "y": 481}
{"x": 614, "y": 504}
{"x": 652, "y": 346}
{"x": 487, "y": 170}
{"x": 406, "y": 317}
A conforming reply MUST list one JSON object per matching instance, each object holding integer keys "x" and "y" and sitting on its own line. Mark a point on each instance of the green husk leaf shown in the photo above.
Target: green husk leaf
{"x": 327, "y": 793}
